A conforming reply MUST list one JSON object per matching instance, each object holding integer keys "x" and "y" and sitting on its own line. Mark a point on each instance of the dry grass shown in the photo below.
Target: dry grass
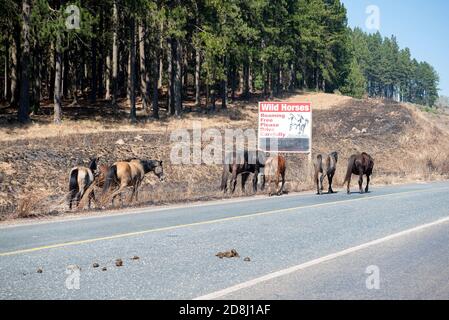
{"x": 406, "y": 143}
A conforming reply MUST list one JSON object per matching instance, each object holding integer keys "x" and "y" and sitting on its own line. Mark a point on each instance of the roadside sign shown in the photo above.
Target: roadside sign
{"x": 285, "y": 127}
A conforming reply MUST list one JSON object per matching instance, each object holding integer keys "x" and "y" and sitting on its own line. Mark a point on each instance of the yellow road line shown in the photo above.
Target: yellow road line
{"x": 258, "y": 214}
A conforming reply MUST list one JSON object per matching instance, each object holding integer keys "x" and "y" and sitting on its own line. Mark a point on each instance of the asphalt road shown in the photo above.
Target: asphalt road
{"x": 300, "y": 247}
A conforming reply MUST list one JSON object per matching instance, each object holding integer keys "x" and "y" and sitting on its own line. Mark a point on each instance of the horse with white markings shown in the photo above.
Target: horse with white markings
{"x": 80, "y": 178}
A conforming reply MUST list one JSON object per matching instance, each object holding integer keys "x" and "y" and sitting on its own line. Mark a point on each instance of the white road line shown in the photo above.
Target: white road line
{"x": 302, "y": 266}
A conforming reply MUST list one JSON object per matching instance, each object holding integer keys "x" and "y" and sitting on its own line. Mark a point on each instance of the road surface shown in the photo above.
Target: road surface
{"x": 300, "y": 247}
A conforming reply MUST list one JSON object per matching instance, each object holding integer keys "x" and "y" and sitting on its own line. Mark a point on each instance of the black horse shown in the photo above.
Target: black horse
{"x": 360, "y": 164}
{"x": 242, "y": 163}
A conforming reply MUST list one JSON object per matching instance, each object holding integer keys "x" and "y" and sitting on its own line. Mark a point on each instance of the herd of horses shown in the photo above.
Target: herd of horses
{"x": 113, "y": 180}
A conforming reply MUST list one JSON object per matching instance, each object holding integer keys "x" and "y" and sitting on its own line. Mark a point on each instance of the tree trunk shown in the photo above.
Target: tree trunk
{"x": 37, "y": 76}
{"x": 155, "y": 98}
{"x": 177, "y": 81}
{"x": 133, "y": 114}
{"x": 15, "y": 67}
{"x": 57, "y": 85}
{"x": 100, "y": 63}
{"x": 170, "y": 71}
{"x": 197, "y": 78}
{"x": 246, "y": 80}
{"x": 93, "y": 66}
{"x": 224, "y": 85}
{"x": 144, "y": 75}
{"x": 233, "y": 76}
{"x": 7, "y": 78}
{"x": 114, "y": 56}
{"x": 51, "y": 80}
{"x": 24, "y": 102}
{"x": 161, "y": 56}
{"x": 107, "y": 94}
{"x": 65, "y": 74}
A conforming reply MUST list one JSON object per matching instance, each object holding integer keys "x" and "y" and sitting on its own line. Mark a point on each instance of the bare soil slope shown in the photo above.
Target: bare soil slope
{"x": 406, "y": 143}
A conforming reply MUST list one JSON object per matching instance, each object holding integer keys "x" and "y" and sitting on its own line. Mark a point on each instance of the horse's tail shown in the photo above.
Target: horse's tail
{"x": 73, "y": 181}
{"x": 351, "y": 164}
{"x": 111, "y": 177}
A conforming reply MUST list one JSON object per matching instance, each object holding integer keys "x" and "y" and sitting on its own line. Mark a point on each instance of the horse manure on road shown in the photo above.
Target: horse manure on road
{"x": 95, "y": 265}
{"x": 40, "y": 270}
{"x": 247, "y": 259}
{"x": 228, "y": 254}
{"x": 104, "y": 269}
{"x": 135, "y": 258}
{"x": 119, "y": 262}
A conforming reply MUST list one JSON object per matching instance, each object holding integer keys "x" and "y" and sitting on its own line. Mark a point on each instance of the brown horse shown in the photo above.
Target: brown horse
{"x": 131, "y": 174}
{"x": 80, "y": 178}
{"x": 100, "y": 177}
{"x": 275, "y": 172}
{"x": 243, "y": 164}
{"x": 326, "y": 168}
{"x": 360, "y": 164}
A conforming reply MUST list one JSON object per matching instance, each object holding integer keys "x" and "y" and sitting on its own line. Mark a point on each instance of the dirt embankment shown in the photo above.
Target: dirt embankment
{"x": 407, "y": 145}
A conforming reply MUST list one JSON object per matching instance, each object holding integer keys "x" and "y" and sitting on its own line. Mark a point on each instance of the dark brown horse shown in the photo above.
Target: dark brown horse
{"x": 131, "y": 174}
{"x": 326, "y": 166}
{"x": 360, "y": 164}
{"x": 80, "y": 178}
{"x": 241, "y": 163}
{"x": 274, "y": 171}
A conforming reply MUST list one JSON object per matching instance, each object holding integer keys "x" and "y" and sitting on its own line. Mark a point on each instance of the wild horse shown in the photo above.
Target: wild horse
{"x": 241, "y": 163}
{"x": 131, "y": 173}
{"x": 326, "y": 166}
{"x": 360, "y": 164}
{"x": 274, "y": 171}
{"x": 80, "y": 178}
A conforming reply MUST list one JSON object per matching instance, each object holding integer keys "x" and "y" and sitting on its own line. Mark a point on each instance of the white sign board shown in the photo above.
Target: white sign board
{"x": 285, "y": 127}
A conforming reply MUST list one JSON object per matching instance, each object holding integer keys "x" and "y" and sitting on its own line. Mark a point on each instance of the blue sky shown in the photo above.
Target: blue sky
{"x": 421, "y": 25}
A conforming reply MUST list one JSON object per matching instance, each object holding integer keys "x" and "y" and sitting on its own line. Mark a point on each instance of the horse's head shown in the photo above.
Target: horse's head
{"x": 335, "y": 155}
{"x": 93, "y": 164}
{"x": 156, "y": 167}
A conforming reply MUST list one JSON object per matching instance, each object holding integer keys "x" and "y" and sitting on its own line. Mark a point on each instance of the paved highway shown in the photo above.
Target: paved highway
{"x": 300, "y": 247}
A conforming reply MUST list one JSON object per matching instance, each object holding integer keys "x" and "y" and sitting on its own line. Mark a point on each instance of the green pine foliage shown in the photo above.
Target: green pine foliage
{"x": 251, "y": 45}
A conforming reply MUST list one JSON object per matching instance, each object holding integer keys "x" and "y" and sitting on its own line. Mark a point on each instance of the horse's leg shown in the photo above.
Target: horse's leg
{"x": 72, "y": 199}
{"x": 269, "y": 186}
{"x": 118, "y": 193}
{"x": 233, "y": 181}
{"x": 255, "y": 178}
{"x": 224, "y": 180}
{"x": 367, "y": 183}
{"x": 330, "y": 177}
{"x": 317, "y": 182}
{"x": 132, "y": 194}
{"x": 245, "y": 177}
{"x": 77, "y": 199}
{"x": 281, "y": 191}
{"x": 137, "y": 189}
{"x": 321, "y": 182}
{"x": 361, "y": 182}
{"x": 349, "y": 184}
{"x": 91, "y": 197}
